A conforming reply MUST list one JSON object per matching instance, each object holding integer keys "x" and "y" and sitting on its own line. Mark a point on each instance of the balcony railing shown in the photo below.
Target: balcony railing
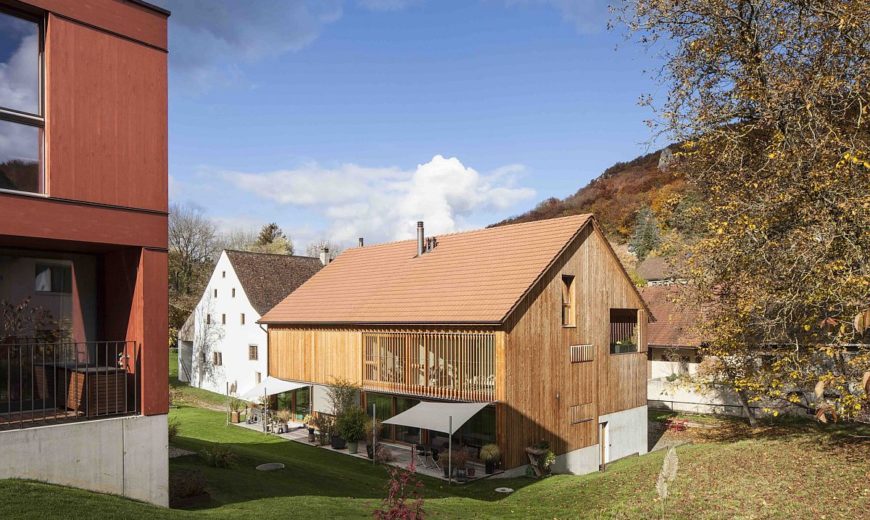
{"x": 43, "y": 383}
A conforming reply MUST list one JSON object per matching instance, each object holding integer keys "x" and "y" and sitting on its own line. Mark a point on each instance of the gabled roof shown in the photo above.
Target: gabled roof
{"x": 675, "y": 324}
{"x": 267, "y": 278}
{"x": 475, "y": 277}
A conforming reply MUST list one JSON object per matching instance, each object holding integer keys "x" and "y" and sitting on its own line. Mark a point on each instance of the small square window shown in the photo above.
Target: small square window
{"x": 243, "y": 318}
{"x": 259, "y": 377}
{"x": 53, "y": 278}
{"x": 253, "y": 353}
{"x": 217, "y": 359}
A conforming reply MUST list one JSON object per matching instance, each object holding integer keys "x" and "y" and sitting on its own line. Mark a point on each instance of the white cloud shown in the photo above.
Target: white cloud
{"x": 587, "y": 16}
{"x": 384, "y": 203}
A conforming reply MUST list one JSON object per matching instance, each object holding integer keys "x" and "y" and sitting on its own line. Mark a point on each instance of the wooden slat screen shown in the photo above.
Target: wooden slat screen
{"x": 581, "y": 353}
{"x": 442, "y": 365}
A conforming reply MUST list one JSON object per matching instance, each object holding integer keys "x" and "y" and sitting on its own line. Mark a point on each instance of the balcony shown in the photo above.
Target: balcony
{"x": 457, "y": 366}
{"x": 44, "y": 383}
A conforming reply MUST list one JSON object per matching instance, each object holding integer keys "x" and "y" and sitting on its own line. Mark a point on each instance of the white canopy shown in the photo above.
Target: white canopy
{"x": 436, "y": 416}
{"x": 270, "y": 386}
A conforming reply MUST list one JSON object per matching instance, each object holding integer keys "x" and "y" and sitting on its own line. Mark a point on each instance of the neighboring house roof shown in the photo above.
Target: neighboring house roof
{"x": 654, "y": 268}
{"x": 268, "y": 278}
{"x": 675, "y": 325}
{"x": 475, "y": 277}
{"x": 186, "y": 332}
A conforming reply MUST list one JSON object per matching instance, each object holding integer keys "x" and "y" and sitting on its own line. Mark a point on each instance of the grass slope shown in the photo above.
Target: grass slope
{"x": 793, "y": 471}
{"x": 182, "y": 393}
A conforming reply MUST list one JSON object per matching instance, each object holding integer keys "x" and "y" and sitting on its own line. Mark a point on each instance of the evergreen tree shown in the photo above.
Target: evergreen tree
{"x": 646, "y": 237}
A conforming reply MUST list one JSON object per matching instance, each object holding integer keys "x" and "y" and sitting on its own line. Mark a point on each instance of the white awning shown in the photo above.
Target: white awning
{"x": 270, "y": 386}
{"x": 436, "y": 416}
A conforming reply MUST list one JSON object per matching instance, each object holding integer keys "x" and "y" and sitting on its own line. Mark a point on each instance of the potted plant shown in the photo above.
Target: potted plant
{"x": 372, "y": 427}
{"x": 458, "y": 460}
{"x": 490, "y": 454}
{"x": 351, "y": 425}
{"x": 284, "y": 417}
{"x": 323, "y": 423}
{"x": 236, "y": 406}
{"x": 308, "y": 421}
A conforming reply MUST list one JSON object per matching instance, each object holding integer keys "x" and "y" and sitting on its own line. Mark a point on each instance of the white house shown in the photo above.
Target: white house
{"x": 221, "y": 346}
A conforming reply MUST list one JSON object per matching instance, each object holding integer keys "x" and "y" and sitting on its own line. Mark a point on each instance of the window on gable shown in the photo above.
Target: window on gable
{"x": 215, "y": 293}
{"x": 243, "y": 318}
{"x": 208, "y": 319}
{"x": 223, "y": 274}
{"x": 223, "y": 319}
{"x": 21, "y": 116}
{"x": 234, "y": 292}
{"x": 569, "y": 315}
{"x": 217, "y": 358}
{"x": 623, "y": 331}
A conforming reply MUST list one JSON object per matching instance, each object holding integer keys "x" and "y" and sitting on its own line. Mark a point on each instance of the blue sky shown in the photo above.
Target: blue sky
{"x": 344, "y": 119}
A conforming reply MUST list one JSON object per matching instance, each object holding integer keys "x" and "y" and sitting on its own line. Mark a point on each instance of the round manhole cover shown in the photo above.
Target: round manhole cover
{"x": 271, "y": 466}
{"x": 504, "y": 490}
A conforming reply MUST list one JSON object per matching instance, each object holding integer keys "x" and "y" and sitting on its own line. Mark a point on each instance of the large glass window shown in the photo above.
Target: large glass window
{"x": 21, "y": 117}
{"x": 407, "y": 434}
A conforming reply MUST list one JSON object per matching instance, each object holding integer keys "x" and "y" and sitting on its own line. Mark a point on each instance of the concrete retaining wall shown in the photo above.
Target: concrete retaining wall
{"x": 122, "y": 455}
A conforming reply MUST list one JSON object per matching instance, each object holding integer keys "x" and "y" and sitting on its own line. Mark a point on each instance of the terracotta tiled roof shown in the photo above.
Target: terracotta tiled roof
{"x": 655, "y": 268}
{"x": 267, "y": 279}
{"x": 674, "y": 325}
{"x": 471, "y": 277}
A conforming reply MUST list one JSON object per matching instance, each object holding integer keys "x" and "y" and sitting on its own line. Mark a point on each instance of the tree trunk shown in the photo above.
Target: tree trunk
{"x": 744, "y": 403}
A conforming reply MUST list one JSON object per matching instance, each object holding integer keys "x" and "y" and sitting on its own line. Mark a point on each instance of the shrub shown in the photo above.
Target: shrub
{"x": 284, "y": 416}
{"x": 490, "y": 453}
{"x": 342, "y": 395}
{"x": 373, "y": 426}
{"x": 218, "y": 456}
{"x": 174, "y": 427}
{"x": 383, "y": 455}
{"x": 186, "y": 483}
{"x": 459, "y": 459}
{"x": 404, "y": 496}
{"x": 237, "y": 405}
{"x": 351, "y": 425}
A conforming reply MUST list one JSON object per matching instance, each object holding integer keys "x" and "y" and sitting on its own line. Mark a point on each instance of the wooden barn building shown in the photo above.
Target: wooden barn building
{"x": 537, "y": 320}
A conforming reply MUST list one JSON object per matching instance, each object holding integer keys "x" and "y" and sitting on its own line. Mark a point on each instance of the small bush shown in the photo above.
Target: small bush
{"x": 218, "y": 456}
{"x": 174, "y": 428}
{"x": 383, "y": 455}
{"x": 351, "y": 425}
{"x": 404, "y": 498}
{"x": 186, "y": 483}
{"x": 490, "y": 453}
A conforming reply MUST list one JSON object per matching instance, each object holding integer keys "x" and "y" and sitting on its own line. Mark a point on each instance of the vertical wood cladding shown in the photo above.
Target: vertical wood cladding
{"x": 106, "y": 118}
{"x": 544, "y": 390}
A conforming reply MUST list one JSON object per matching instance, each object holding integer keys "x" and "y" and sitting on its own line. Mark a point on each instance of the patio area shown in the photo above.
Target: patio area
{"x": 401, "y": 453}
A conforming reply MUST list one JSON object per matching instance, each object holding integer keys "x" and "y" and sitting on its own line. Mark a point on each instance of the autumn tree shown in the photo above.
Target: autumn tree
{"x": 769, "y": 99}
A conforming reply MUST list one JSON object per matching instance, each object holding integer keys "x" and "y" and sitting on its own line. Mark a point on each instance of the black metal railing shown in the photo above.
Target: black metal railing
{"x": 48, "y": 382}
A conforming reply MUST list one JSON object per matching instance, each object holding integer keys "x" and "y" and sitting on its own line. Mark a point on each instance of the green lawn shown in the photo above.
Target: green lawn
{"x": 774, "y": 472}
{"x": 182, "y": 393}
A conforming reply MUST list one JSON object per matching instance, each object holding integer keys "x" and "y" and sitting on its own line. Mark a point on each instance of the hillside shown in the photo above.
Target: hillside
{"x": 616, "y": 196}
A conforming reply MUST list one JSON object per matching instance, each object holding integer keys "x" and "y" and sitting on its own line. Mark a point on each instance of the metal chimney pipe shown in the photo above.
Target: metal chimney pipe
{"x": 361, "y": 243}
{"x": 420, "y": 238}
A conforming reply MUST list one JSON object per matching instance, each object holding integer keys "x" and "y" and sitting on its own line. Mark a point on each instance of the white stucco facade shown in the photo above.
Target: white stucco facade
{"x": 125, "y": 456}
{"x": 219, "y": 329}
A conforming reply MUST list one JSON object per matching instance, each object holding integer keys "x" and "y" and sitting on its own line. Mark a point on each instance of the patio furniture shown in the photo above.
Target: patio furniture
{"x": 434, "y": 456}
{"x": 422, "y": 455}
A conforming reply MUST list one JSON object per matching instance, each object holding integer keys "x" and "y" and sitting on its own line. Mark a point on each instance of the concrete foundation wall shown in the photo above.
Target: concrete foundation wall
{"x": 673, "y": 396}
{"x": 626, "y": 432}
{"x": 123, "y": 455}
{"x": 578, "y": 462}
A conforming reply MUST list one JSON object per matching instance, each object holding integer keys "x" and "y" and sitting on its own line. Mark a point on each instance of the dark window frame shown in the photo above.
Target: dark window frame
{"x": 253, "y": 353}
{"x": 19, "y": 117}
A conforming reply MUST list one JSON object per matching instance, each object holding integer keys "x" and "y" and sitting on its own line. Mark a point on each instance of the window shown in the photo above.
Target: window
{"x": 215, "y": 293}
{"x": 223, "y": 274}
{"x": 208, "y": 319}
{"x": 217, "y": 359}
{"x": 202, "y": 358}
{"x": 223, "y": 319}
{"x": 569, "y": 316}
{"x": 21, "y": 117}
{"x": 53, "y": 278}
{"x": 258, "y": 377}
{"x": 623, "y": 331}
{"x": 243, "y": 318}
{"x": 252, "y": 352}
{"x": 234, "y": 292}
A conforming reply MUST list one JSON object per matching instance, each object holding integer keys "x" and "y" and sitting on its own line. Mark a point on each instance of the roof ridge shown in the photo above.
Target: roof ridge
{"x": 269, "y": 254}
{"x": 578, "y": 216}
